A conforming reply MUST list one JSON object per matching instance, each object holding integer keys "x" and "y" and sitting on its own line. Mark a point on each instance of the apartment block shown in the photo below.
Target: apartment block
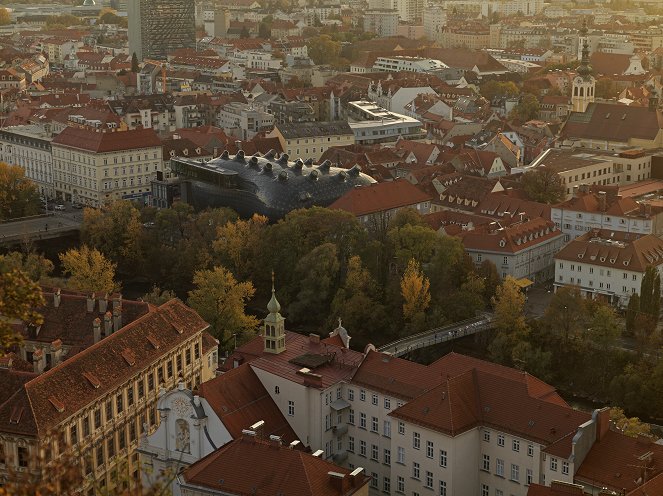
{"x": 29, "y": 146}
{"x": 97, "y": 400}
{"x": 95, "y": 166}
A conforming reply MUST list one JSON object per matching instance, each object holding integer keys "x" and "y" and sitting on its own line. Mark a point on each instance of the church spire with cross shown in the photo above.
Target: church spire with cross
{"x": 584, "y": 84}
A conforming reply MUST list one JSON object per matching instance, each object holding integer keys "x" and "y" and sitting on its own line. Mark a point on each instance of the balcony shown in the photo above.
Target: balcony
{"x": 341, "y": 429}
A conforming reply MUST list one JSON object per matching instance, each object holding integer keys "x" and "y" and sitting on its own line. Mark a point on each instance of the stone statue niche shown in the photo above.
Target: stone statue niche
{"x": 182, "y": 437}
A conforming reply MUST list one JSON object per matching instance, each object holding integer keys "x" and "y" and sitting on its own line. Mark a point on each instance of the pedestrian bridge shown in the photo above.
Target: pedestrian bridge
{"x": 36, "y": 228}
{"x": 439, "y": 335}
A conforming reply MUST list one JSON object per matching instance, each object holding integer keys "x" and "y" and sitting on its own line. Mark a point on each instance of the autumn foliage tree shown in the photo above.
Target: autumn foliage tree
{"x": 4, "y": 17}
{"x": 19, "y": 297}
{"x": 89, "y": 270}
{"x": 415, "y": 290}
{"x": 221, "y": 300}
{"x": 18, "y": 195}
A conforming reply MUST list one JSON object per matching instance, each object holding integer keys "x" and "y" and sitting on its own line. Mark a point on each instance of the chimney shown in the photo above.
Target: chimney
{"x": 314, "y": 338}
{"x": 38, "y": 361}
{"x": 103, "y": 303}
{"x": 275, "y": 440}
{"x": 295, "y": 444}
{"x": 356, "y": 476}
{"x": 117, "y": 301}
{"x": 336, "y": 479}
{"x": 248, "y": 435}
{"x": 57, "y": 298}
{"x": 90, "y": 303}
{"x": 602, "y": 422}
{"x": 117, "y": 319}
{"x": 603, "y": 202}
{"x": 56, "y": 352}
{"x": 318, "y": 454}
{"x": 96, "y": 329}
{"x": 108, "y": 324}
{"x": 258, "y": 428}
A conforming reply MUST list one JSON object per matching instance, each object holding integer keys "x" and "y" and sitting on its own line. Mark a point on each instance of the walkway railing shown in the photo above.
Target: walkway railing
{"x": 439, "y": 335}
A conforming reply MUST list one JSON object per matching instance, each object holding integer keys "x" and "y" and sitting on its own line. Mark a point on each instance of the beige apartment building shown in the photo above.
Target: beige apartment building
{"x": 97, "y": 166}
{"x": 96, "y": 402}
{"x": 312, "y": 139}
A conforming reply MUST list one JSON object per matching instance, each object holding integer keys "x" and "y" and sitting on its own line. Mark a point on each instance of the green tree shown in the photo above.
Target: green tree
{"x": 632, "y": 311}
{"x": 221, "y": 300}
{"x": 135, "y": 67}
{"x": 158, "y": 297}
{"x": 324, "y": 50}
{"x": 491, "y": 278}
{"x": 35, "y": 266}
{"x": 491, "y": 89}
{"x": 650, "y": 293}
{"x": 20, "y": 296}
{"x": 89, "y": 270}
{"x": 116, "y": 231}
{"x": 527, "y": 108}
{"x": 413, "y": 242}
{"x": 566, "y": 315}
{"x": 358, "y": 292}
{"x": 18, "y": 195}
{"x": 264, "y": 31}
{"x": 317, "y": 273}
{"x": 543, "y": 185}
{"x": 415, "y": 290}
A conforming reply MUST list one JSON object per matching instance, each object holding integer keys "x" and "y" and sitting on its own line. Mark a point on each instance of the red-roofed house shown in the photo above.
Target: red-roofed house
{"x": 377, "y": 202}
{"x": 253, "y": 465}
{"x": 107, "y": 165}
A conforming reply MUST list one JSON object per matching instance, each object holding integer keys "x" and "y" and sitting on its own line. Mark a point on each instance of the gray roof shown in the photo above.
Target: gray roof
{"x": 263, "y": 184}
{"x": 311, "y": 129}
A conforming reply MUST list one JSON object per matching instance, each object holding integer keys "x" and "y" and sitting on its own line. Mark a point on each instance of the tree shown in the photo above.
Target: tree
{"x": 491, "y": 89}
{"x": 4, "y": 17}
{"x": 35, "y": 266}
{"x": 413, "y": 242}
{"x": 19, "y": 297}
{"x": 221, "y": 300}
{"x": 158, "y": 297}
{"x": 317, "y": 273}
{"x": 543, "y": 185}
{"x": 237, "y": 242}
{"x": 527, "y": 108}
{"x": 18, "y": 195}
{"x": 491, "y": 278}
{"x": 632, "y": 427}
{"x": 264, "y": 31}
{"x": 566, "y": 315}
{"x": 116, "y": 231}
{"x": 415, "y": 290}
{"x": 324, "y": 50}
{"x": 632, "y": 311}
{"x": 650, "y": 293}
{"x": 135, "y": 67}
{"x": 244, "y": 33}
{"x": 358, "y": 292}
{"x": 89, "y": 270}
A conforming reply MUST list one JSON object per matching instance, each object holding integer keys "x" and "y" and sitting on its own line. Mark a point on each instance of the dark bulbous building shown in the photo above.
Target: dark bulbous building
{"x": 268, "y": 185}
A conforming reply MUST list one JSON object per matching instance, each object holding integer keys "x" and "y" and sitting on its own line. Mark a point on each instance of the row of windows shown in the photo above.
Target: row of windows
{"x": 375, "y": 400}
{"x": 515, "y": 443}
{"x": 514, "y": 474}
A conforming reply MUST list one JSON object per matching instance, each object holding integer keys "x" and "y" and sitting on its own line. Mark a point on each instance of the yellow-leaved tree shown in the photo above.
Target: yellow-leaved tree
{"x": 415, "y": 289}
{"x": 89, "y": 270}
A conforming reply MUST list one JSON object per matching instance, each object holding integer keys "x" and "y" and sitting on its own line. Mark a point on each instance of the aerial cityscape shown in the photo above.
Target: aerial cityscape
{"x": 331, "y": 247}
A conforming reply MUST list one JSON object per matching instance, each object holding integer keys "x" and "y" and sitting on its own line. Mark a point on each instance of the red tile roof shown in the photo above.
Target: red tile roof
{"x": 73, "y": 383}
{"x": 103, "y": 142}
{"x": 556, "y": 489}
{"x": 614, "y": 123}
{"x": 615, "y": 249}
{"x": 341, "y": 366}
{"x": 617, "y": 462}
{"x": 380, "y": 197}
{"x": 250, "y": 465}
{"x": 240, "y": 400}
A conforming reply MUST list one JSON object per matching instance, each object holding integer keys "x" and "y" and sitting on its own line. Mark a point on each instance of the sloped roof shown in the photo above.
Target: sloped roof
{"x": 627, "y": 251}
{"x": 240, "y": 400}
{"x": 69, "y": 383}
{"x": 612, "y": 122}
{"x": 102, "y": 142}
{"x": 615, "y": 461}
{"x": 272, "y": 469}
{"x": 380, "y": 197}
{"x": 511, "y": 239}
{"x": 610, "y": 63}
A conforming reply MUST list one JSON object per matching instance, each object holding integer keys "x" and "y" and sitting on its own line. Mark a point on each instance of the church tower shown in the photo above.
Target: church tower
{"x": 584, "y": 83}
{"x": 274, "y": 326}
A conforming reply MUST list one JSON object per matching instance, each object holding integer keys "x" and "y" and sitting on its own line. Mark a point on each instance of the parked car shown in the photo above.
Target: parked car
{"x": 77, "y": 206}
{"x": 59, "y": 206}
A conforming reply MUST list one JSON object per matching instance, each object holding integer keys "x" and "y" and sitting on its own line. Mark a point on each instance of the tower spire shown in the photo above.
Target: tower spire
{"x": 585, "y": 69}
